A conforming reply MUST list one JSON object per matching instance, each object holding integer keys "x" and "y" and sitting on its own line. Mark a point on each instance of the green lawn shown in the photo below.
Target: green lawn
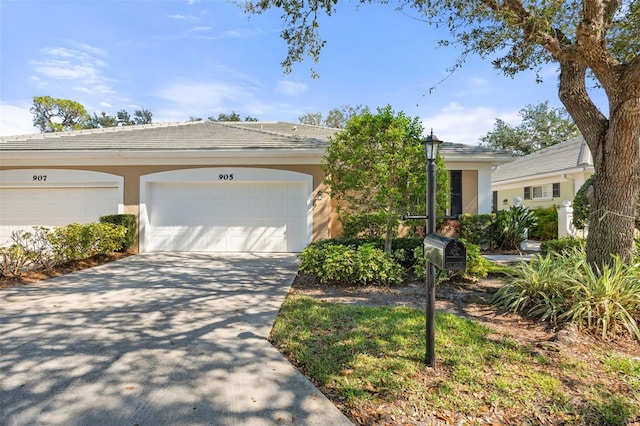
{"x": 370, "y": 362}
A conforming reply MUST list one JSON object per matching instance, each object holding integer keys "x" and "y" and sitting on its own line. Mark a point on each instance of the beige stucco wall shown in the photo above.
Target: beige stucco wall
{"x": 325, "y": 224}
{"x": 470, "y": 191}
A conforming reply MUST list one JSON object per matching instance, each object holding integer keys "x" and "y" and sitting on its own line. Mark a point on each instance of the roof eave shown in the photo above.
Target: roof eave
{"x": 160, "y": 157}
{"x": 526, "y": 178}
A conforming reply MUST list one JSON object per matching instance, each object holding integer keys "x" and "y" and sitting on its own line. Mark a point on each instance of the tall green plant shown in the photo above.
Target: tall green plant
{"x": 606, "y": 299}
{"x": 376, "y": 165}
{"x": 539, "y": 289}
{"x": 511, "y": 226}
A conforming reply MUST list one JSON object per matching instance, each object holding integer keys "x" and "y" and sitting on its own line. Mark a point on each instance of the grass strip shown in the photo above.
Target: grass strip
{"x": 367, "y": 357}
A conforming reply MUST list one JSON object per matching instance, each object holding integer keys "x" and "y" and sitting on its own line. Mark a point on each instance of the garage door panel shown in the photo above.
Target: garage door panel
{"x": 227, "y": 216}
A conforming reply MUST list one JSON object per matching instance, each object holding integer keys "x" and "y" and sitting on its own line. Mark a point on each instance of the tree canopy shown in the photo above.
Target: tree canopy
{"x": 336, "y": 117}
{"x": 541, "y": 127}
{"x": 57, "y": 115}
{"x": 377, "y": 166}
{"x": 591, "y": 41}
{"x": 234, "y": 116}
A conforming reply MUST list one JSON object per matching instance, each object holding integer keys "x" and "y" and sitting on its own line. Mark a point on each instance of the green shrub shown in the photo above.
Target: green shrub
{"x": 563, "y": 245}
{"x": 539, "y": 289}
{"x": 546, "y": 227}
{"x": 342, "y": 264}
{"x": 563, "y": 287}
{"x": 606, "y": 300}
{"x": 403, "y": 250}
{"x": 45, "y": 248}
{"x": 367, "y": 225}
{"x": 477, "y": 229}
{"x": 510, "y": 226}
{"x": 129, "y": 222}
{"x": 82, "y": 241}
{"x": 14, "y": 259}
{"x": 477, "y": 266}
{"x": 581, "y": 204}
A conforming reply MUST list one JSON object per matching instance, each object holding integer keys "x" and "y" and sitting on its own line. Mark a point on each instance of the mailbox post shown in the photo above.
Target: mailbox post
{"x": 439, "y": 251}
{"x": 431, "y": 145}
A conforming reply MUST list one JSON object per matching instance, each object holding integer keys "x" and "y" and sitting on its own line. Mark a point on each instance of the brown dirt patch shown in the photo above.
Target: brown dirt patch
{"x": 39, "y": 275}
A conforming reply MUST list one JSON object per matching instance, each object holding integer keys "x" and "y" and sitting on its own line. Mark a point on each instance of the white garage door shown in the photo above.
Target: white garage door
{"x": 50, "y": 203}
{"x": 227, "y": 216}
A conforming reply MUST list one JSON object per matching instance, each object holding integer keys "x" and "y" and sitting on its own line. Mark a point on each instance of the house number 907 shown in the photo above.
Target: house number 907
{"x": 39, "y": 178}
{"x": 225, "y": 176}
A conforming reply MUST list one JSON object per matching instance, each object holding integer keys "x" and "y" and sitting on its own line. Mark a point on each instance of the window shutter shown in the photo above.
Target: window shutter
{"x": 556, "y": 190}
{"x": 527, "y": 192}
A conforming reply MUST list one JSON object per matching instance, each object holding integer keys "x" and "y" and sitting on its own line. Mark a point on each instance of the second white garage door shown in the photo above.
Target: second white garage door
{"x": 234, "y": 215}
{"x": 55, "y": 198}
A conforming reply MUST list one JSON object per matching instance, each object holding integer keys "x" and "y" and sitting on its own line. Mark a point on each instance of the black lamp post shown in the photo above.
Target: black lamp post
{"x": 431, "y": 145}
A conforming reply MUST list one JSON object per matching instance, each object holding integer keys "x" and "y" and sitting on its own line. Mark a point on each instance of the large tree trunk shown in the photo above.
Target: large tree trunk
{"x": 615, "y": 147}
{"x": 616, "y": 188}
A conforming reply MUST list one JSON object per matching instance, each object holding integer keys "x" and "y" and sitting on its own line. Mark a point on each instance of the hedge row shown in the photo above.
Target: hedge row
{"x": 44, "y": 248}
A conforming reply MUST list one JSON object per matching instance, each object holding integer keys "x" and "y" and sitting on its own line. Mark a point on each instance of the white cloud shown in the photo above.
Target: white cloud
{"x": 205, "y": 99}
{"x": 76, "y": 67}
{"x": 82, "y": 63}
{"x": 184, "y": 99}
{"x": 200, "y": 29}
{"x": 290, "y": 88}
{"x": 459, "y": 124}
{"x": 15, "y": 120}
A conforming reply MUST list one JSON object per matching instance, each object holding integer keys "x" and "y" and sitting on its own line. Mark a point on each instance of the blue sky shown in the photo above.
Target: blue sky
{"x": 200, "y": 58}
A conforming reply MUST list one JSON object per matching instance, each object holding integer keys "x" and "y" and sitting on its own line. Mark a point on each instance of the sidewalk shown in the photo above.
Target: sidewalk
{"x": 530, "y": 249}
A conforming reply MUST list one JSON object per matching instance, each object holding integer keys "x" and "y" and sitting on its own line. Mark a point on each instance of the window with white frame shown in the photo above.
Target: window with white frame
{"x": 542, "y": 191}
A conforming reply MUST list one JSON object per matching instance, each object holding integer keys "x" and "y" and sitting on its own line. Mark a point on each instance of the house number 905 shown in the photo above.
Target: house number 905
{"x": 39, "y": 178}
{"x": 225, "y": 176}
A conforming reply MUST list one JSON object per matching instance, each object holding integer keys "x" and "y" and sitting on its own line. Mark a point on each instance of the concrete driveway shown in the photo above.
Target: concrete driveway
{"x": 155, "y": 339}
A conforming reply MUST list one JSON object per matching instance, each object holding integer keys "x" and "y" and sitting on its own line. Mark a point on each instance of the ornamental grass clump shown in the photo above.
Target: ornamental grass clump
{"x": 539, "y": 289}
{"x": 606, "y": 300}
{"x": 563, "y": 287}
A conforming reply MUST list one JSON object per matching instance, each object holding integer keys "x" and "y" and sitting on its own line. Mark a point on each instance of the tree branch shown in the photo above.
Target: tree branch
{"x": 572, "y": 91}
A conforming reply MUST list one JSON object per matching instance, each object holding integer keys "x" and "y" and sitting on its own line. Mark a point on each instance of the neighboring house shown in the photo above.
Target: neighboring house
{"x": 198, "y": 186}
{"x": 545, "y": 178}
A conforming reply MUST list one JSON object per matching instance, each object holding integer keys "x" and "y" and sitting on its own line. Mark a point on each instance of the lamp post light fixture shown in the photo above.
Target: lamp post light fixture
{"x": 431, "y": 145}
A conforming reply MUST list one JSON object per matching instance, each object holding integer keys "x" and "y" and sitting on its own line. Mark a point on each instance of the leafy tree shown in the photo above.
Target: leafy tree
{"x": 57, "y": 115}
{"x": 102, "y": 120}
{"x": 541, "y": 127}
{"x": 142, "y": 116}
{"x": 124, "y": 118}
{"x": 192, "y": 118}
{"x": 377, "y": 165}
{"x": 336, "y": 118}
{"x": 597, "y": 39}
{"x": 234, "y": 116}
{"x": 312, "y": 118}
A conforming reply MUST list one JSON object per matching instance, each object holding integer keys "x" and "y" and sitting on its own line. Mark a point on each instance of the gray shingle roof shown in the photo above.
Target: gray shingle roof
{"x": 568, "y": 155}
{"x": 205, "y": 135}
